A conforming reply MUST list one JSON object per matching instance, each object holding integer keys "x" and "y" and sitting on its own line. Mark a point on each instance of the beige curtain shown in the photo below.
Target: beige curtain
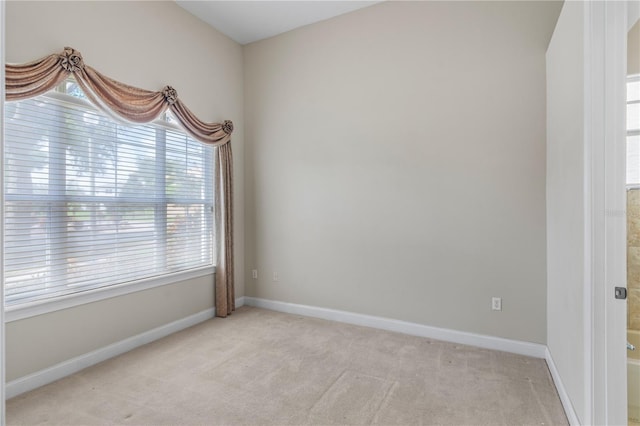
{"x": 140, "y": 106}
{"x": 225, "y": 297}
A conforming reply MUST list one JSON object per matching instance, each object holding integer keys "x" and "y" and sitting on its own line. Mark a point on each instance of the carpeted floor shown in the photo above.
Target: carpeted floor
{"x": 268, "y": 368}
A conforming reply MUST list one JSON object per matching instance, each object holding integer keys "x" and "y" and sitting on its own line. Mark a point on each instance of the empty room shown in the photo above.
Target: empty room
{"x": 320, "y": 212}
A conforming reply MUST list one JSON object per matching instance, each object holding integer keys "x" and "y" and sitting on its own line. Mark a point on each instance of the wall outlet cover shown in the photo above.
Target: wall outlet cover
{"x": 496, "y": 303}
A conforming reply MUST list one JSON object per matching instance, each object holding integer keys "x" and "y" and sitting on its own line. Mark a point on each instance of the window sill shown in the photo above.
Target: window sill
{"x": 27, "y": 310}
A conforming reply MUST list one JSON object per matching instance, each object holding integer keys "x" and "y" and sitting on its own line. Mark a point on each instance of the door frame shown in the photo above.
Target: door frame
{"x": 2, "y": 334}
{"x": 605, "y": 210}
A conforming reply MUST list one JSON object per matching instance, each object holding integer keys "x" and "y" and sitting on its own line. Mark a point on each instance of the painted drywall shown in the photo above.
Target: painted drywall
{"x": 633, "y": 50}
{"x": 36, "y": 343}
{"x": 566, "y": 203}
{"x": 395, "y": 164}
{"x": 146, "y": 44}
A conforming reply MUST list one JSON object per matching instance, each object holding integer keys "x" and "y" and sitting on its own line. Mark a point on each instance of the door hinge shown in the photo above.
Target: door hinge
{"x": 621, "y": 293}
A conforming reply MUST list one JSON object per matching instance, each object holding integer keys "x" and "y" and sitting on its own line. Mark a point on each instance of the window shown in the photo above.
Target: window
{"x": 92, "y": 203}
{"x": 633, "y": 131}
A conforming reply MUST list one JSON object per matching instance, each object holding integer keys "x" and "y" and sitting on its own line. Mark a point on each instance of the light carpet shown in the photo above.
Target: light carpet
{"x": 259, "y": 367}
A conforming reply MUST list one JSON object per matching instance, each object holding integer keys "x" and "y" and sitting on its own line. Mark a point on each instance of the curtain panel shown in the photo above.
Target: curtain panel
{"x": 137, "y": 105}
{"x": 225, "y": 296}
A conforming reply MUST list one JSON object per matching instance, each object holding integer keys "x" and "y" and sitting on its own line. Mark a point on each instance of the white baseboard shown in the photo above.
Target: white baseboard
{"x": 66, "y": 368}
{"x": 56, "y": 372}
{"x": 479, "y": 340}
{"x": 562, "y": 391}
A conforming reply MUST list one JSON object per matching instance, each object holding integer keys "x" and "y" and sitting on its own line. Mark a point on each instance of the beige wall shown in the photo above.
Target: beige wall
{"x": 395, "y": 164}
{"x": 39, "y": 342}
{"x": 566, "y": 203}
{"x": 146, "y": 44}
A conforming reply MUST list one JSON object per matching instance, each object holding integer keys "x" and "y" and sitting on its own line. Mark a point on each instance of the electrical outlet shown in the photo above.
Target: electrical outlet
{"x": 255, "y": 274}
{"x": 496, "y": 303}
{"x": 276, "y": 277}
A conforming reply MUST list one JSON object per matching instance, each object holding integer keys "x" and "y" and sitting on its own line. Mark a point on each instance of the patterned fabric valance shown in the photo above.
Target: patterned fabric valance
{"x": 130, "y": 103}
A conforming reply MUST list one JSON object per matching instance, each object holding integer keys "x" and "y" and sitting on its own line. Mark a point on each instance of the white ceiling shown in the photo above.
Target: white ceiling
{"x": 249, "y": 21}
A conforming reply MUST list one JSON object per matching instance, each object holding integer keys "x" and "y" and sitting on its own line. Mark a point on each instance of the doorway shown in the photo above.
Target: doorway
{"x": 2, "y": 369}
{"x": 633, "y": 223}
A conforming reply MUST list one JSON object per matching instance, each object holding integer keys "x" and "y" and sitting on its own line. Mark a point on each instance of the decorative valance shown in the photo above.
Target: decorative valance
{"x": 130, "y": 103}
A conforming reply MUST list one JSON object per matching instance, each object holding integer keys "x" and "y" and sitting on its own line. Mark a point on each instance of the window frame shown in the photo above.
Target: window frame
{"x": 632, "y": 79}
{"x": 631, "y": 132}
{"x": 38, "y": 307}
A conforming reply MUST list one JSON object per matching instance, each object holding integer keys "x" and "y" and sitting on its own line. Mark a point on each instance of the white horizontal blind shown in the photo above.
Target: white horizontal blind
{"x": 91, "y": 203}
